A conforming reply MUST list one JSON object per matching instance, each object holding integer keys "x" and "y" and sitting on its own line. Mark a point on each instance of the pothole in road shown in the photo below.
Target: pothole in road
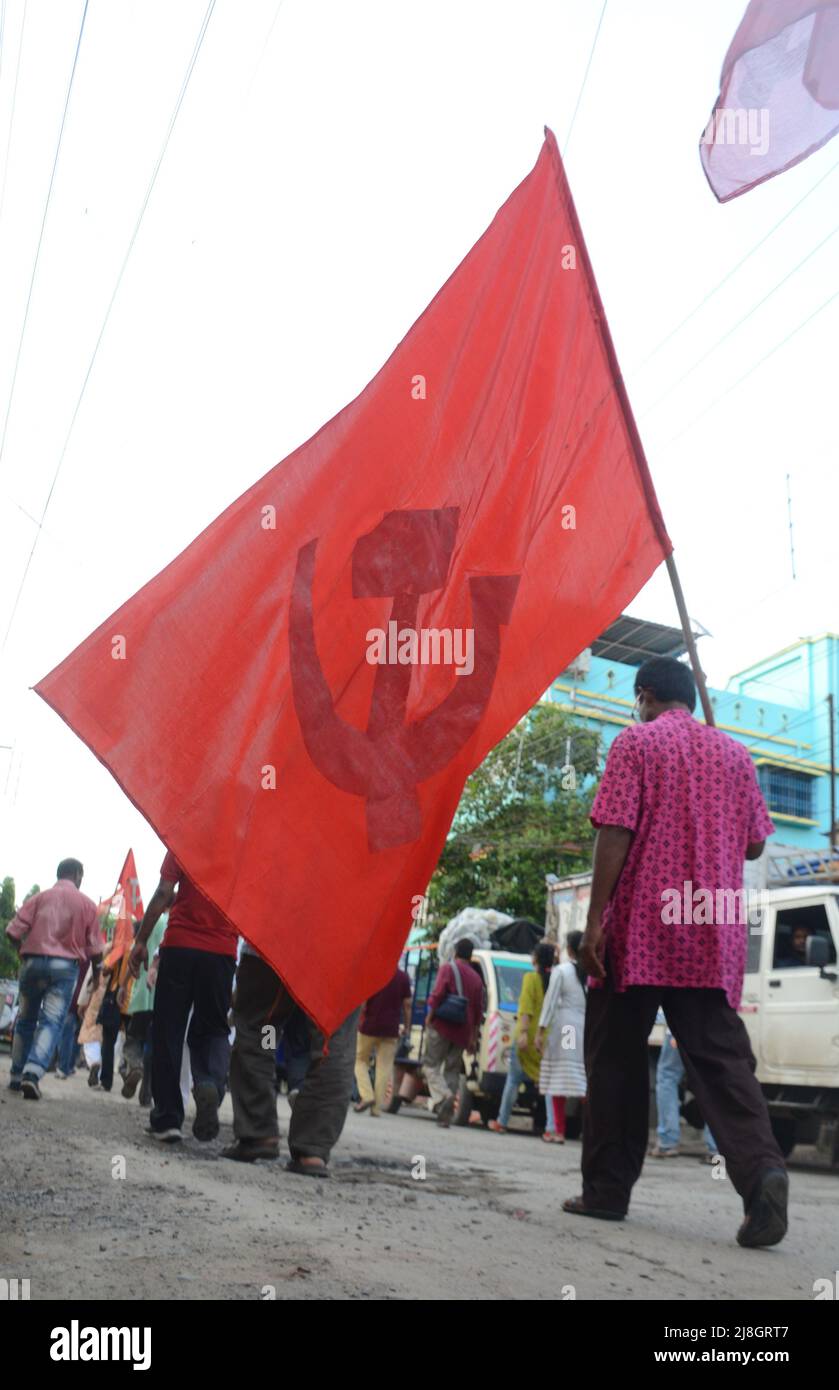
{"x": 479, "y": 1183}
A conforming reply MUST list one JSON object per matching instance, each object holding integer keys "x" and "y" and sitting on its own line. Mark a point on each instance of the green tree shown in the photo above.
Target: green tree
{"x": 523, "y": 814}
{"x": 9, "y": 959}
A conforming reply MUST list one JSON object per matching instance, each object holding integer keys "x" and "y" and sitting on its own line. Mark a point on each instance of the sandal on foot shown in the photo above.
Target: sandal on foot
{"x": 577, "y": 1207}
{"x": 307, "y": 1170}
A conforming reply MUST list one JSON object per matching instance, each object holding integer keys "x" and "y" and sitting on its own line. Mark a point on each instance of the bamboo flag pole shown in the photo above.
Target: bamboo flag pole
{"x": 632, "y": 430}
{"x": 698, "y": 673}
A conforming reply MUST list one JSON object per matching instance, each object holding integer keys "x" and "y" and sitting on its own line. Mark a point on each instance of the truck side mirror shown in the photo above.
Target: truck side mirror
{"x": 818, "y": 952}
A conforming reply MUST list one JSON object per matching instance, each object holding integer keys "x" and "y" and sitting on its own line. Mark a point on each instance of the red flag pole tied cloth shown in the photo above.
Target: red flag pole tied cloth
{"x": 779, "y": 94}
{"x": 129, "y": 903}
{"x": 349, "y": 639}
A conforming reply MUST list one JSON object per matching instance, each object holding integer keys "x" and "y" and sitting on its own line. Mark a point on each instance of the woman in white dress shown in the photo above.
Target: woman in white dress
{"x": 560, "y": 1040}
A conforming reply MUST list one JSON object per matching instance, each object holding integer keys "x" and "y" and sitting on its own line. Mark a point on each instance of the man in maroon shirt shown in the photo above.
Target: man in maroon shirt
{"x": 378, "y": 1033}
{"x": 678, "y": 810}
{"x": 197, "y": 964}
{"x": 445, "y": 1042}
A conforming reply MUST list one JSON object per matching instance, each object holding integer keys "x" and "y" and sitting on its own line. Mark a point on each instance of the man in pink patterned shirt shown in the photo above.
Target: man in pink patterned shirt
{"x": 677, "y": 813}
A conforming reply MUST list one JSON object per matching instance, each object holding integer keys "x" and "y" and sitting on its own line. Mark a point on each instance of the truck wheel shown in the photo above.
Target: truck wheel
{"x": 489, "y": 1109}
{"x": 784, "y": 1132}
{"x": 574, "y": 1122}
{"x": 463, "y": 1104}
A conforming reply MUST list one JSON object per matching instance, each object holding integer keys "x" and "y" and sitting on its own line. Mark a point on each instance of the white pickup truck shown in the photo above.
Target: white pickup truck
{"x": 790, "y": 1005}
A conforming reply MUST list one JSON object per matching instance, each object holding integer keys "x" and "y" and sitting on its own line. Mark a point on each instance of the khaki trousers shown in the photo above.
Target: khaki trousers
{"x": 384, "y": 1050}
{"x": 321, "y": 1107}
{"x": 441, "y": 1064}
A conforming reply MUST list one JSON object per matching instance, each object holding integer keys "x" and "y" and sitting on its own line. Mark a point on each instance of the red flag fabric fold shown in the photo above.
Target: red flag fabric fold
{"x": 779, "y": 94}
{"x": 347, "y": 641}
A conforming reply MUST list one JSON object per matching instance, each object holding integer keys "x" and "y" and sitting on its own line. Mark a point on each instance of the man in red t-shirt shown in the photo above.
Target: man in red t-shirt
{"x": 197, "y": 964}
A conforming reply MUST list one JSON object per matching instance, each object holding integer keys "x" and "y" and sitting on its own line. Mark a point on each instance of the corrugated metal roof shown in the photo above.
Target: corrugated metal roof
{"x": 633, "y": 640}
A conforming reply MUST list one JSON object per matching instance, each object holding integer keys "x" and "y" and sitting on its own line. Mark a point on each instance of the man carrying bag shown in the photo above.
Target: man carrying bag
{"x": 455, "y": 1012}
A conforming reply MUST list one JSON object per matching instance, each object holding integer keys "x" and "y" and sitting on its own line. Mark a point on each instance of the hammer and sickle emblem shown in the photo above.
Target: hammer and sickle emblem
{"x": 405, "y": 556}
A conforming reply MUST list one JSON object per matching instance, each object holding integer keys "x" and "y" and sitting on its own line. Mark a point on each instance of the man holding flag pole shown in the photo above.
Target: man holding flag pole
{"x": 490, "y": 484}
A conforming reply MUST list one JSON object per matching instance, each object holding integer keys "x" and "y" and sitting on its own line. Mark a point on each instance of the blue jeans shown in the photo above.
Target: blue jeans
{"x": 68, "y": 1044}
{"x": 515, "y": 1076}
{"x": 46, "y": 988}
{"x": 668, "y": 1077}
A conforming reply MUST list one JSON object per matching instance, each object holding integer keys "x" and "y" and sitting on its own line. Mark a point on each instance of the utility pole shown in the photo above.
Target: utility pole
{"x": 832, "y": 777}
{"x": 7, "y": 748}
{"x": 791, "y": 540}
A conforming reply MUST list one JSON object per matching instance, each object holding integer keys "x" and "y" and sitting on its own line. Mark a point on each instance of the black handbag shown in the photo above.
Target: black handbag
{"x": 454, "y": 1008}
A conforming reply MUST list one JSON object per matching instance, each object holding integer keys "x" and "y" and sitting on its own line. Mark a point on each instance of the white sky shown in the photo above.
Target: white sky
{"x": 318, "y": 189}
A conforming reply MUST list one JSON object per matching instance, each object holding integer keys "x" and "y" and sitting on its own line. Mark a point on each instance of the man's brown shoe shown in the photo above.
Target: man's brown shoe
{"x": 252, "y": 1150}
{"x": 575, "y": 1206}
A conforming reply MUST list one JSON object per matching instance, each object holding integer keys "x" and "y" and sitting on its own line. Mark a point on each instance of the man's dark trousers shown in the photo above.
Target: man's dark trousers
{"x": 201, "y": 981}
{"x": 137, "y": 1031}
{"x": 110, "y": 1033}
{"x": 720, "y": 1068}
{"x": 111, "y": 1021}
{"x": 261, "y": 1002}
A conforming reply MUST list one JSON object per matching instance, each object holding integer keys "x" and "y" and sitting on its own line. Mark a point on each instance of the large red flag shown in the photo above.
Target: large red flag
{"x": 489, "y": 479}
{"x": 779, "y": 94}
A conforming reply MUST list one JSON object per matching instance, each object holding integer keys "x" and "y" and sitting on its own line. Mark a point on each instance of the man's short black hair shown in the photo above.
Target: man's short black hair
{"x": 464, "y": 948}
{"x": 69, "y": 868}
{"x": 668, "y": 679}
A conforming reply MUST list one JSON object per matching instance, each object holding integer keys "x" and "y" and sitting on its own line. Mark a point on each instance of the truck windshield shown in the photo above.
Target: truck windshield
{"x": 509, "y": 975}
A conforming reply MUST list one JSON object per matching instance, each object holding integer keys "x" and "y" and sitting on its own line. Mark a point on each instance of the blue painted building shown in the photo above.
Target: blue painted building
{"x": 777, "y": 708}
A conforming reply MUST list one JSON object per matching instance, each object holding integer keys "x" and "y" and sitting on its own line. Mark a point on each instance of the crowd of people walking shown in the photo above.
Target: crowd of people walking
{"x": 678, "y": 802}
{"x": 159, "y": 1016}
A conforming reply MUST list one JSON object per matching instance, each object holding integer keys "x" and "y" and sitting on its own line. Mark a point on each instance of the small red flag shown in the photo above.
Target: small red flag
{"x": 322, "y": 701}
{"x": 129, "y": 908}
{"x": 779, "y": 94}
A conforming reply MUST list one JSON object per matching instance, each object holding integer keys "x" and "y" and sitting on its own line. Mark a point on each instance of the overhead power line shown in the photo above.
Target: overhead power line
{"x": 584, "y": 81}
{"x": 264, "y": 49}
{"x": 733, "y": 271}
{"x": 12, "y": 113}
{"x": 41, "y": 233}
{"x": 149, "y": 189}
{"x": 753, "y": 310}
{"x": 754, "y": 367}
